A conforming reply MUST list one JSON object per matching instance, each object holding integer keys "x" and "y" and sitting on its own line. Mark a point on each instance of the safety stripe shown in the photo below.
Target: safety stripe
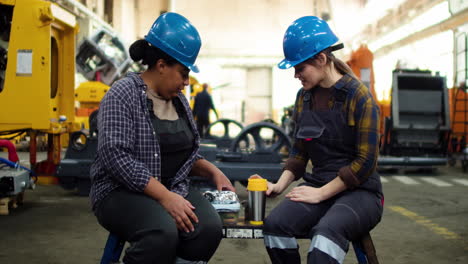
{"x": 328, "y": 247}
{"x": 436, "y": 182}
{"x": 280, "y": 242}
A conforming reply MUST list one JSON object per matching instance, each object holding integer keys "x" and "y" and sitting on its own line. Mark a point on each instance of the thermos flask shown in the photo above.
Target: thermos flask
{"x": 257, "y": 188}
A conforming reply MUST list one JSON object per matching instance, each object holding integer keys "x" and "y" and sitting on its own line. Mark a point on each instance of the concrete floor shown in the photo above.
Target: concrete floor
{"x": 424, "y": 222}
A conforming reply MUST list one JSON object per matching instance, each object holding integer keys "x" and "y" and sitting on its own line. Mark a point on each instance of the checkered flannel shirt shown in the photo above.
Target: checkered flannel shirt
{"x": 128, "y": 151}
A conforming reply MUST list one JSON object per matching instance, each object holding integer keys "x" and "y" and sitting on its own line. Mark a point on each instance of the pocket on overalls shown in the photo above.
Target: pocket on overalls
{"x": 310, "y": 127}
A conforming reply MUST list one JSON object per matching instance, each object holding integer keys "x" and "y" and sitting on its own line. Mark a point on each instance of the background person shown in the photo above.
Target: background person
{"x": 336, "y": 128}
{"x": 201, "y": 110}
{"x": 147, "y": 148}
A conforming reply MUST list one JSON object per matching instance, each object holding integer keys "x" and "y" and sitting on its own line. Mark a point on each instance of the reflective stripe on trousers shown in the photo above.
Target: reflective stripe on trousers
{"x": 280, "y": 242}
{"x": 328, "y": 247}
{"x": 319, "y": 242}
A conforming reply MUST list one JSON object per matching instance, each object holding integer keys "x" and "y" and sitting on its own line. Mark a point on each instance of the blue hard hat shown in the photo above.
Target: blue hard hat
{"x": 304, "y": 38}
{"x": 175, "y": 35}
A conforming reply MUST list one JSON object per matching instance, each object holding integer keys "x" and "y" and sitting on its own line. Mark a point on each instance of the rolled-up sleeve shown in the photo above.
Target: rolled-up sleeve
{"x": 116, "y": 141}
{"x": 366, "y": 119}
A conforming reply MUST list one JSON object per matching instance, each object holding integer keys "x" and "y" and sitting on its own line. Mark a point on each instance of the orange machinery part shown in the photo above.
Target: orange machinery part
{"x": 458, "y": 111}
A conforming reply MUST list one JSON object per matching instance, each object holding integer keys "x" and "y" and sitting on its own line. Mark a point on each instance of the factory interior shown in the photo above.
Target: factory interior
{"x": 59, "y": 59}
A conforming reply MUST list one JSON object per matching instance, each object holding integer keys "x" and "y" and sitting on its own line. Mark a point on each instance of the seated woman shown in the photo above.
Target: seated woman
{"x": 336, "y": 127}
{"x": 148, "y": 147}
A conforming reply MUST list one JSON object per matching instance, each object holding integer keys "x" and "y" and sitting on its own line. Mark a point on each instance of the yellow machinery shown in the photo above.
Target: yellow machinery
{"x": 37, "y": 94}
{"x": 89, "y": 95}
{"x": 195, "y": 88}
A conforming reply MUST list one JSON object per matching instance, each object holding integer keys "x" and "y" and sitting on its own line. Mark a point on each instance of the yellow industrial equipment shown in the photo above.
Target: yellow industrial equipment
{"x": 89, "y": 95}
{"x": 195, "y": 88}
{"x": 37, "y": 94}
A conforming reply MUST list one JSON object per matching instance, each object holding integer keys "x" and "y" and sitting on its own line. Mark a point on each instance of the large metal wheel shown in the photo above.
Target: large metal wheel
{"x": 262, "y": 137}
{"x": 229, "y": 130}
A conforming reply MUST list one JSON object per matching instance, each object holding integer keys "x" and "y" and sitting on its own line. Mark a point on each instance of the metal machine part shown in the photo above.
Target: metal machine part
{"x": 226, "y": 139}
{"x": 73, "y": 170}
{"x": 14, "y": 181}
{"x": 103, "y": 54}
{"x": 262, "y": 137}
{"x": 417, "y": 132}
{"x": 260, "y": 148}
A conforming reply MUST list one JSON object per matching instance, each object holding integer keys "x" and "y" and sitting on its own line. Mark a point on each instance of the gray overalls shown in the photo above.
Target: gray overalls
{"x": 330, "y": 144}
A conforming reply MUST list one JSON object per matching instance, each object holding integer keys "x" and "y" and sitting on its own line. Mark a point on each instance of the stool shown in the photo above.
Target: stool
{"x": 112, "y": 250}
{"x": 365, "y": 250}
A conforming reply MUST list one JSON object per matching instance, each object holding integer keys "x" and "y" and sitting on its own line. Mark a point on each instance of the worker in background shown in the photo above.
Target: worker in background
{"x": 336, "y": 128}
{"x": 201, "y": 110}
{"x": 148, "y": 147}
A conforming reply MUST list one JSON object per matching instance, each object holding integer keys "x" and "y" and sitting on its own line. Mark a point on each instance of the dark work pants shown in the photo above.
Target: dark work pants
{"x": 329, "y": 225}
{"x": 152, "y": 232}
{"x": 202, "y": 125}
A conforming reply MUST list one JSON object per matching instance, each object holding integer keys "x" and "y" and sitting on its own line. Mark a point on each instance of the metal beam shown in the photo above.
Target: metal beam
{"x": 451, "y": 23}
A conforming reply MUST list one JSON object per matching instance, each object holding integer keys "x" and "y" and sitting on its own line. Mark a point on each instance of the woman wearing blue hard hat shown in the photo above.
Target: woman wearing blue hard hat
{"x": 336, "y": 128}
{"x": 147, "y": 149}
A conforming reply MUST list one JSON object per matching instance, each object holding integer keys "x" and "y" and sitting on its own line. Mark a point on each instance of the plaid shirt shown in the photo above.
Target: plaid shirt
{"x": 363, "y": 115}
{"x": 128, "y": 151}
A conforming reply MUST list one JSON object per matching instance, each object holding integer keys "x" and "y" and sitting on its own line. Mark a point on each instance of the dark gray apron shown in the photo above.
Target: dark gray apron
{"x": 176, "y": 141}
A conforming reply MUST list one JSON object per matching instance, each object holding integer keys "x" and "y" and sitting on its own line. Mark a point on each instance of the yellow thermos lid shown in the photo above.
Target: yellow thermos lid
{"x": 258, "y": 185}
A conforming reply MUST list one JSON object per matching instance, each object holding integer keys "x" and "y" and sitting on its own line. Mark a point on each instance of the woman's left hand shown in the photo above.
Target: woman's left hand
{"x": 222, "y": 182}
{"x": 306, "y": 194}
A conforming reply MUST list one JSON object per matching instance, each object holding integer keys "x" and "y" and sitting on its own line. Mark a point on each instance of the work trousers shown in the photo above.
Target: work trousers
{"x": 152, "y": 232}
{"x": 202, "y": 125}
{"x": 330, "y": 225}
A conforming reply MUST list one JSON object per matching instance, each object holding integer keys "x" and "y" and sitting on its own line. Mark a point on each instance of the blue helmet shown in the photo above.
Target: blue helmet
{"x": 304, "y": 38}
{"x": 175, "y": 35}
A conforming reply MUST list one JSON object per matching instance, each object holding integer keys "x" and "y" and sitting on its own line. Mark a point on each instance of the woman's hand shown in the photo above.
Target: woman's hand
{"x": 222, "y": 182}
{"x": 207, "y": 170}
{"x": 274, "y": 189}
{"x": 181, "y": 210}
{"x": 306, "y": 194}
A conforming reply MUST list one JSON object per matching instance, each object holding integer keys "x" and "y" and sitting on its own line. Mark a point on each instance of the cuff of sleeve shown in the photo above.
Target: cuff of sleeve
{"x": 348, "y": 177}
{"x": 138, "y": 178}
{"x": 141, "y": 184}
{"x": 297, "y": 167}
